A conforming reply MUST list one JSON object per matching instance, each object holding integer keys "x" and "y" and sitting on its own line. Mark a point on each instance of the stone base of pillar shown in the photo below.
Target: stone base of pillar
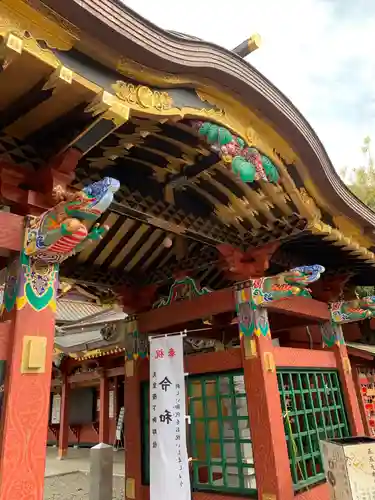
{"x": 101, "y": 472}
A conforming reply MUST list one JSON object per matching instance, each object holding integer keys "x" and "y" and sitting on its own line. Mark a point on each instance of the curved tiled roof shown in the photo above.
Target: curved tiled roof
{"x": 75, "y": 310}
{"x": 210, "y": 156}
{"x": 120, "y": 29}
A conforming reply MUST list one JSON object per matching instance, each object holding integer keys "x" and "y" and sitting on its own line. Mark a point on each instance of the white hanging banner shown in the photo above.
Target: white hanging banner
{"x": 169, "y": 467}
{"x": 56, "y": 409}
{"x": 111, "y": 402}
{"x": 120, "y": 424}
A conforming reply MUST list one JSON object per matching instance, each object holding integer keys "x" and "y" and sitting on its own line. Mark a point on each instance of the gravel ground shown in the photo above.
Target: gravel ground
{"x": 75, "y": 486}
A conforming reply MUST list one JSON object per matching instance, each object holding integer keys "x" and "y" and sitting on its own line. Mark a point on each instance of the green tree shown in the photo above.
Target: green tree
{"x": 361, "y": 181}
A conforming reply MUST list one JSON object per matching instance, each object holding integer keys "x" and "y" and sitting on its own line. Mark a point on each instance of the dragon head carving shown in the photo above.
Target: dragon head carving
{"x": 303, "y": 276}
{"x": 287, "y": 284}
{"x": 62, "y": 230}
{"x": 352, "y": 310}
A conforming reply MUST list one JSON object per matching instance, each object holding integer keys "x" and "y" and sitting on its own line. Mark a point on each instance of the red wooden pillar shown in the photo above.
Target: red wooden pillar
{"x": 334, "y": 337}
{"x": 272, "y": 468}
{"x": 348, "y": 387}
{"x": 104, "y": 409}
{"x": 64, "y": 419}
{"x": 29, "y": 304}
{"x": 132, "y": 430}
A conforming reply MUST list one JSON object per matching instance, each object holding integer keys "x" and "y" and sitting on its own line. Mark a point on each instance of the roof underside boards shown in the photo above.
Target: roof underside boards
{"x": 178, "y": 200}
{"x": 79, "y": 341}
{"x": 69, "y": 311}
{"x": 362, "y": 347}
{"x": 86, "y": 333}
{"x": 95, "y": 321}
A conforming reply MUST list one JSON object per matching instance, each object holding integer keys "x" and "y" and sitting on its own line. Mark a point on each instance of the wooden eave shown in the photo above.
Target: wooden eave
{"x": 70, "y": 100}
{"x": 136, "y": 46}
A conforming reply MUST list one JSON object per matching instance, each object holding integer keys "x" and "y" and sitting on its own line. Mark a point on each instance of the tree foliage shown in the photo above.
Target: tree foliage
{"x": 361, "y": 181}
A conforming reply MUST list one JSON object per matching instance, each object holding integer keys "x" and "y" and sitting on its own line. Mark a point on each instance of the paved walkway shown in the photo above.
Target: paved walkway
{"x": 68, "y": 479}
{"x": 79, "y": 461}
{"x": 75, "y": 486}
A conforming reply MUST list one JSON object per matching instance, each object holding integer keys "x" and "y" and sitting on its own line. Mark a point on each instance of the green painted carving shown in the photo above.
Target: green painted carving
{"x": 251, "y": 320}
{"x": 182, "y": 289}
{"x": 38, "y": 281}
{"x": 290, "y": 283}
{"x": 332, "y": 334}
{"x": 246, "y": 162}
{"x": 60, "y": 232}
{"x": 50, "y": 239}
{"x": 256, "y": 293}
{"x": 352, "y": 310}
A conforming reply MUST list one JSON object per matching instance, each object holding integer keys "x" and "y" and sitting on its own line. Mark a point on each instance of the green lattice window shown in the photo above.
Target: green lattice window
{"x": 218, "y": 436}
{"x": 313, "y": 409}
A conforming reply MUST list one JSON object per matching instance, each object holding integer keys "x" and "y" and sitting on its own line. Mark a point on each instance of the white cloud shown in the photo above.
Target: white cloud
{"x": 320, "y": 53}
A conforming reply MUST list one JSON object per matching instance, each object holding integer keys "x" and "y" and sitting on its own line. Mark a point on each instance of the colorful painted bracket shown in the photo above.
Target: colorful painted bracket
{"x": 245, "y": 162}
{"x": 252, "y": 296}
{"x": 352, "y": 310}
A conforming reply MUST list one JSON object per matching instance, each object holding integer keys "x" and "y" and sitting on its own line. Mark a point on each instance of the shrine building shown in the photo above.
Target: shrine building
{"x": 154, "y": 183}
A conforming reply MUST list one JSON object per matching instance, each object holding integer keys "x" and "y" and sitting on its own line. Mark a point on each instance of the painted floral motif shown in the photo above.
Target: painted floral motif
{"x": 246, "y": 162}
{"x": 38, "y": 284}
{"x": 251, "y": 321}
{"x": 332, "y": 334}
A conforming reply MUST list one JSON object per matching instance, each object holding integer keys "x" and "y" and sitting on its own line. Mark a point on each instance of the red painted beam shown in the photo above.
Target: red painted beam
{"x": 11, "y": 231}
{"x": 212, "y": 362}
{"x": 84, "y": 377}
{"x": 179, "y": 313}
{"x": 60, "y": 171}
{"x": 115, "y": 372}
{"x": 301, "y": 306}
{"x": 306, "y": 358}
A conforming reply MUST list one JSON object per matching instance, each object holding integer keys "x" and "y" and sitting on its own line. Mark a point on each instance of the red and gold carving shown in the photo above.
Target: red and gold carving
{"x": 240, "y": 266}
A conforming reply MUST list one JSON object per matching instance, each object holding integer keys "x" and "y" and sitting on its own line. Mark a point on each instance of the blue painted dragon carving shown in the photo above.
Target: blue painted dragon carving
{"x": 62, "y": 230}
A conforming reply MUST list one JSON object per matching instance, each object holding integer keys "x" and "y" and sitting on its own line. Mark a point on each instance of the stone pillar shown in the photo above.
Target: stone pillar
{"x": 101, "y": 472}
{"x": 30, "y": 305}
{"x": 64, "y": 419}
{"x": 269, "y": 448}
{"x": 333, "y": 337}
{"x": 132, "y": 431}
{"x": 104, "y": 409}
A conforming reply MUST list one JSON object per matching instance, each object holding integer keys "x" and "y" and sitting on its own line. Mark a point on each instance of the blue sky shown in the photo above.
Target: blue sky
{"x": 320, "y": 53}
